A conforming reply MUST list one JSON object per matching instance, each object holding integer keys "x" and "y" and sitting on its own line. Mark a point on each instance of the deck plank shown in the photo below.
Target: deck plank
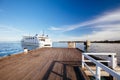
{"x": 41, "y": 64}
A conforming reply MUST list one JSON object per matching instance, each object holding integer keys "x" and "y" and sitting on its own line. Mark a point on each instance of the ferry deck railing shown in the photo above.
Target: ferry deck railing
{"x": 99, "y": 65}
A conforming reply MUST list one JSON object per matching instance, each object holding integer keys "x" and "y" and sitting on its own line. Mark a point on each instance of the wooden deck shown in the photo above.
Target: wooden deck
{"x": 43, "y": 64}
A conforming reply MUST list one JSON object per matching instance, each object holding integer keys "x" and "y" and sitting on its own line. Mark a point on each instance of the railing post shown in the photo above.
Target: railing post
{"x": 82, "y": 60}
{"x": 25, "y": 50}
{"x": 71, "y": 45}
{"x": 113, "y": 61}
{"x": 98, "y": 73}
{"x": 114, "y": 64}
{"x": 87, "y": 45}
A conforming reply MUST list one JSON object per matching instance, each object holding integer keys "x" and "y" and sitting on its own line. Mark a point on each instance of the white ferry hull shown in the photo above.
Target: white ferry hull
{"x": 30, "y": 44}
{"x": 41, "y": 41}
{"x": 37, "y": 44}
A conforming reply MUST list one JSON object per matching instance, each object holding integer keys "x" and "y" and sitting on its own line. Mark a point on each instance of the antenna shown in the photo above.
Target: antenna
{"x": 43, "y": 33}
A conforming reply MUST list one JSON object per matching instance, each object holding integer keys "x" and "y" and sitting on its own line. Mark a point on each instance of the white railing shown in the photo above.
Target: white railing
{"x": 99, "y": 65}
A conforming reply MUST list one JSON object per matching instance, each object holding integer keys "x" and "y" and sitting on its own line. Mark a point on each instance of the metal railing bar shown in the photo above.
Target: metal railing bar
{"x": 101, "y": 53}
{"x": 97, "y": 60}
{"x": 89, "y": 68}
{"x": 110, "y": 71}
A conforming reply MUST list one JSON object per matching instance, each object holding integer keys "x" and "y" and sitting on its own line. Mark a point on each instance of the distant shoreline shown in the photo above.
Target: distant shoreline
{"x": 106, "y": 41}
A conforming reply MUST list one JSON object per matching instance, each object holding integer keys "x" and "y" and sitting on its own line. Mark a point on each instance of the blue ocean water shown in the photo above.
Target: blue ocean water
{"x": 8, "y": 48}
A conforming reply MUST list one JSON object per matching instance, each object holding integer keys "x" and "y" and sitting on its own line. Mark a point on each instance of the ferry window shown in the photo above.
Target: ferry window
{"x": 42, "y": 39}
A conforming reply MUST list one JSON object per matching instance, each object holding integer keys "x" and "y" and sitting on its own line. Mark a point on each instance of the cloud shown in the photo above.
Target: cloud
{"x": 94, "y": 36}
{"x": 105, "y": 26}
{"x": 54, "y": 28}
{"x": 102, "y": 35}
{"x": 107, "y": 17}
{"x": 109, "y": 27}
{"x": 8, "y": 33}
{"x": 111, "y": 16}
{"x": 9, "y": 29}
{"x": 68, "y": 27}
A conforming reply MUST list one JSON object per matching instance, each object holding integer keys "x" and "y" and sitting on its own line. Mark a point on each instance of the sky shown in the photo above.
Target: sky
{"x": 62, "y": 20}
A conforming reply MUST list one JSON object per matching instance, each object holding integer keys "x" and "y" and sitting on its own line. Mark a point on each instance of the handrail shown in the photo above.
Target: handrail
{"x": 97, "y": 60}
{"x": 99, "y": 66}
{"x": 100, "y": 53}
{"x": 89, "y": 68}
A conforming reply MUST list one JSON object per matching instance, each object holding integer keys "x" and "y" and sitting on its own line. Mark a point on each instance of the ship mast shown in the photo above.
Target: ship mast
{"x": 43, "y": 33}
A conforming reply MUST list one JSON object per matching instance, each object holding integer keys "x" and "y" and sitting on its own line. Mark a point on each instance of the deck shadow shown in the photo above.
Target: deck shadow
{"x": 74, "y": 64}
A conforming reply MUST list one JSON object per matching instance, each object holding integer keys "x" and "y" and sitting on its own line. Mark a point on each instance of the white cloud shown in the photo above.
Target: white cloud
{"x": 69, "y": 27}
{"x": 54, "y": 28}
{"x": 102, "y": 35}
{"x": 8, "y": 33}
{"x": 109, "y": 27}
{"x": 107, "y": 17}
{"x": 95, "y": 35}
{"x": 105, "y": 26}
{"x": 111, "y": 16}
{"x": 9, "y": 29}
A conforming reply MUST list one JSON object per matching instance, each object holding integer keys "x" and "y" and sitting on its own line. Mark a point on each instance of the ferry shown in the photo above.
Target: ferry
{"x": 37, "y": 40}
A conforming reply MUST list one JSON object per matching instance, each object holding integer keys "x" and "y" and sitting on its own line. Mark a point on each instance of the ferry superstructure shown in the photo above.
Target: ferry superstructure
{"x": 37, "y": 40}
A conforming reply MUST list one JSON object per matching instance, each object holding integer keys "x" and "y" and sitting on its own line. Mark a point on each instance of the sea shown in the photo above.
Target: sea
{"x": 9, "y": 48}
